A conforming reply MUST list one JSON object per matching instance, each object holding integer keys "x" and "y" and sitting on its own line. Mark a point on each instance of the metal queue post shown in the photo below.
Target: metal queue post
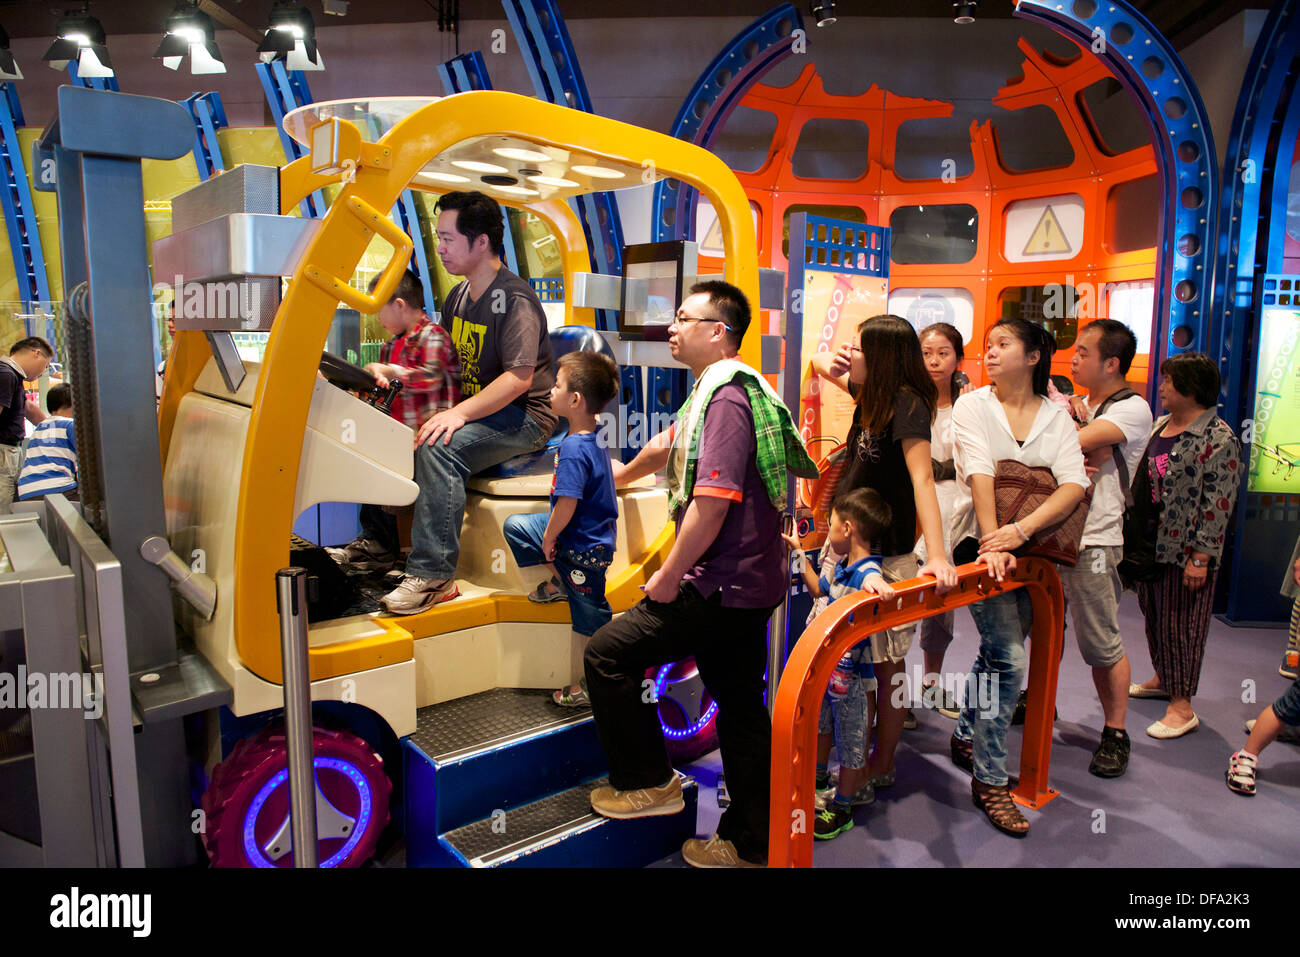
{"x": 291, "y": 602}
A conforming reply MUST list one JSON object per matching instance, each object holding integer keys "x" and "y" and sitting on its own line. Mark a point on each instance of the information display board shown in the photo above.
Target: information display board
{"x": 1275, "y": 452}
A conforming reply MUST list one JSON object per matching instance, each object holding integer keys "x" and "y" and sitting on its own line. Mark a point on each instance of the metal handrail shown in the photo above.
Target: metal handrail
{"x": 854, "y": 617}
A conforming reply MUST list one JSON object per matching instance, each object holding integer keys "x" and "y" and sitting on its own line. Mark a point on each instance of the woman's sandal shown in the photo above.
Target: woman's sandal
{"x": 963, "y": 753}
{"x": 547, "y": 592}
{"x": 1001, "y": 810}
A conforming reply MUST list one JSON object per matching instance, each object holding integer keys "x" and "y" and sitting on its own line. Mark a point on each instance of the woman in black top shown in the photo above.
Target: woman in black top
{"x": 888, "y": 450}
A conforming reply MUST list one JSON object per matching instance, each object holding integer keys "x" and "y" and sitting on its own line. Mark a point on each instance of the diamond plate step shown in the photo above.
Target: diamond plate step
{"x": 562, "y": 831}
{"x": 498, "y": 750}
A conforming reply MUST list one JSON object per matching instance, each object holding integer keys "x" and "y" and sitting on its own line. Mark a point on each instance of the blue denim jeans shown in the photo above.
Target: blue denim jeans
{"x": 1287, "y": 707}
{"x": 441, "y": 471}
{"x": 581, "y": 574}
{"x": 846, "y": 716}
{"x": 1003, "y": 621}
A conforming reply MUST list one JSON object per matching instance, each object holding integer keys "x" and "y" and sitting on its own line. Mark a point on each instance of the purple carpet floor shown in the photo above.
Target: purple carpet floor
{"x": 1171, "y": 809}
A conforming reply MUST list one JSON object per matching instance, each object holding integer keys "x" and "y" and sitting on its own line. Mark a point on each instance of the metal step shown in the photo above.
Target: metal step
{"x": 497, "y": 750}
{"x": 562, "y": 831}
{"x": 457, "y": 729}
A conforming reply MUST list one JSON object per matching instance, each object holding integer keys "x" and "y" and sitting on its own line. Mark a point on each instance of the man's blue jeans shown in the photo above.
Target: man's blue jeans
{"x": 441, "y": 471}
{"x": 1003, "y": 622}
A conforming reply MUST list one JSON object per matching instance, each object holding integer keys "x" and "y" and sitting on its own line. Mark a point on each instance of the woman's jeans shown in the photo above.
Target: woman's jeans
{"x": 1003, "y": 621}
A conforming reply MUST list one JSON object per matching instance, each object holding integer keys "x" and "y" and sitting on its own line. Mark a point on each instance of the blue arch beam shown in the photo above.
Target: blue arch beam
{"x": 1253, "y": 205}
{"x": 19, "y": 208}
{"x": 553, "y": 68}
{"x": 723, "y": 84}
{"x": 1144, "y": 63}
{"x": 460, "y": 75}
{"x": 1252, "y": 236}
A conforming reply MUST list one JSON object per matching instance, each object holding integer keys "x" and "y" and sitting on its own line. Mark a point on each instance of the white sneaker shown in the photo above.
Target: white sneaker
{"x": 415, "y": 594}
{"x": 1288, "y": 734}
{"x": 363, "y": 554}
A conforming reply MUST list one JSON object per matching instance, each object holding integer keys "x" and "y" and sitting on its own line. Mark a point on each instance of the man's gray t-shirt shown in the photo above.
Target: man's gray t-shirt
{"x": 503, "y": 329}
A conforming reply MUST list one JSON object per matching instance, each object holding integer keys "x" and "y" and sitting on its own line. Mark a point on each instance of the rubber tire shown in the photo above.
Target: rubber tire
{"x": 237, "y": 780}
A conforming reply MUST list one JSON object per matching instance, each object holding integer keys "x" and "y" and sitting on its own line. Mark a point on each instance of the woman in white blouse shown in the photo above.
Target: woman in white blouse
{"x": 1012, "y": 419}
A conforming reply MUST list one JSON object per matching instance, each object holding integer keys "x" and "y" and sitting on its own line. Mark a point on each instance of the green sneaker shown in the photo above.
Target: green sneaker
{"x": 832, "y": 821}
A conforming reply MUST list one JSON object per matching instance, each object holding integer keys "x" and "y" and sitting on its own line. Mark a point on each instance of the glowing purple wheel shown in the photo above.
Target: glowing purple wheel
{"x": 247, "y": 804}
{"x": 687, "y": 712}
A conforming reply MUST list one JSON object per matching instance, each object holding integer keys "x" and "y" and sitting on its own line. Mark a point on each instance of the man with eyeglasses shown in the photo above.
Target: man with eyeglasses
{"x": 726, "y": 459}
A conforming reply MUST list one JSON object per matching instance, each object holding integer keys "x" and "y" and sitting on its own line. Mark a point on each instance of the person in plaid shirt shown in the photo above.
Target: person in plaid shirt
{"x": 421, "y": 356}
{"x": 711, "y": 598}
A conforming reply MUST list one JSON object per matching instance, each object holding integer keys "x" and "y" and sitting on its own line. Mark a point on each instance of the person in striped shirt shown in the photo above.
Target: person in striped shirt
{"x": 50, "y": 462}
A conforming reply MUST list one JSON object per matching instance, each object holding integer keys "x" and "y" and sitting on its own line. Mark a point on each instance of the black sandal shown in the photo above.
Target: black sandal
{"x": 1002, "y": 812}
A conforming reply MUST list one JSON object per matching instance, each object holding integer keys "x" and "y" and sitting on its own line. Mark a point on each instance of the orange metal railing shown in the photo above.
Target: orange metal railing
{"x": 852, "y": 618}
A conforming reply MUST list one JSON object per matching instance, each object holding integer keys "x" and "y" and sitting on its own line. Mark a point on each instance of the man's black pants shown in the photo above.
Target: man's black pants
{"x": 730, "y": 648}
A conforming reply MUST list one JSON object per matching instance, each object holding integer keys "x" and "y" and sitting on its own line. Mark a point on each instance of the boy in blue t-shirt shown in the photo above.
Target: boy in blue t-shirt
{"x": 50, "y": 460}
{"x": 576, "y": 540}
{"x": 857, "y": 520}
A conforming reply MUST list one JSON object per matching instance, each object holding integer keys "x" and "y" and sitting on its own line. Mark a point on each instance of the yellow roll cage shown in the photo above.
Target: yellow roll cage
{"x": 379, "y": 173}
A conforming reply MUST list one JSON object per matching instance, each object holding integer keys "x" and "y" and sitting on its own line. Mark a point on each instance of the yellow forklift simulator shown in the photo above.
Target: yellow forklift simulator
{"x": 247, "y": 447}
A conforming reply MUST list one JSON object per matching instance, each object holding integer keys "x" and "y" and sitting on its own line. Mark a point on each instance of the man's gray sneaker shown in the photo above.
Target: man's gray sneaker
{"x": 416, "y": 594}
{"x": 363, "y": 555}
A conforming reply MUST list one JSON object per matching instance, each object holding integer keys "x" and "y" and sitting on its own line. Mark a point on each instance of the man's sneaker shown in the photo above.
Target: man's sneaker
{"x": 1022, "y": 708}
{"x": 832, "y": 821}
{"x": 909, "y": 721}
{"x": 1290, "y": 658}
{"x": 643, "y": 802}
{"x": 1110, "y": 760}
{"x": 415, "y": 594}
{"x": 715, "y": 852}
{"x": 1288, "y": 735}
{"x": 941, "y": 700}
{"x": 364, "y": 555}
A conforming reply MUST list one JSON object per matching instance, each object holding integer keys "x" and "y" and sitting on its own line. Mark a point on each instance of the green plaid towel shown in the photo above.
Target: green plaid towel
{"x": 779, "y": 448}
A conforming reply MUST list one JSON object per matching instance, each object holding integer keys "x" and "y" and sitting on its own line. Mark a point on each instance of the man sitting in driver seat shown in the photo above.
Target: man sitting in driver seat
{"x": 496, "y": 322}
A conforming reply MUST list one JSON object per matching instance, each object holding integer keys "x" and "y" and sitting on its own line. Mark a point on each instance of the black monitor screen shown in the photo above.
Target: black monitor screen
{"x": 652, "y": 289}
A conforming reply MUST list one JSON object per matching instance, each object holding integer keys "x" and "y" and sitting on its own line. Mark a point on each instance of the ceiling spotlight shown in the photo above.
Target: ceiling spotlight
{"x": 190, "y": 31}
{"x": 823, "y": 12}
{"x": 291, "y": 37}
{"x": 964, "y": 12}
{"x": 8, "y": 68}
{"x": 80, "y": 38}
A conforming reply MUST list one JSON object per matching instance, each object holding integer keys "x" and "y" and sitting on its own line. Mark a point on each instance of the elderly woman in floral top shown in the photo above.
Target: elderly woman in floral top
{"x": 1194, "y": 469}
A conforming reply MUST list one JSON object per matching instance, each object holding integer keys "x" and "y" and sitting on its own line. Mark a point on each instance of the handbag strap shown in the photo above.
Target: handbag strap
{"x": 1125, "y": 481}
{"x": 1142, "y": 468}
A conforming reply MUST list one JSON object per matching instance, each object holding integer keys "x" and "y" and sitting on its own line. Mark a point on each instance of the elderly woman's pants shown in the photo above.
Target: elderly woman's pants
{"x": 1178, "y": 620}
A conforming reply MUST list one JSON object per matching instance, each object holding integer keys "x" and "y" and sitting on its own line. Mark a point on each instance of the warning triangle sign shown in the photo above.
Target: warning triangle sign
{"x": 712, "y": 243}
{"x": 1048, "y": 238}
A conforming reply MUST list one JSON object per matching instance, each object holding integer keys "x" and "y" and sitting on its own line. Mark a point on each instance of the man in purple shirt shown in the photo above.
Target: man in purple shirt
{"x": 712, "y": 599}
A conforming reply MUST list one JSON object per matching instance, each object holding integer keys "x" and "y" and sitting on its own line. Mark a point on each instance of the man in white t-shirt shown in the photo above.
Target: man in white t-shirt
{"x": 1111, "y": 418}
